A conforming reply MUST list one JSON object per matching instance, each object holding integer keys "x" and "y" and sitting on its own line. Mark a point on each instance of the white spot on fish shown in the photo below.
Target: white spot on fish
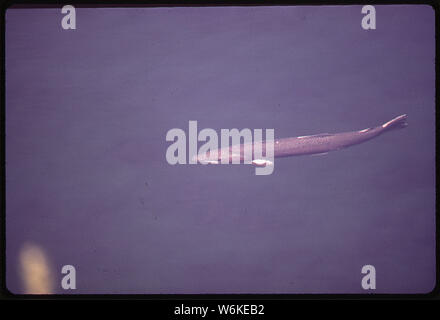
{"x": 387, "y": 123}
{"x": 262, "y": 163}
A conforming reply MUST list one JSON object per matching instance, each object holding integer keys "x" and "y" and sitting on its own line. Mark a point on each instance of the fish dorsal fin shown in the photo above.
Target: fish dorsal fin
{"x": 315, "y": 135}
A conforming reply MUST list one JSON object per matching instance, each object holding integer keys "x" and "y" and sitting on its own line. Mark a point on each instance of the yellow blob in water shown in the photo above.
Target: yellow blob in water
{"x": 35, "y": 270}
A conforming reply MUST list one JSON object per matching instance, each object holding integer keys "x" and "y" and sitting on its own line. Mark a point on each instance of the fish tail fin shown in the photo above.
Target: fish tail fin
{"x": 396, "y": 123}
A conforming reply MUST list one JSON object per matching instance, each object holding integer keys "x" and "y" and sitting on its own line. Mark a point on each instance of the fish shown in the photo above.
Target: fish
{"x": 317, "y": 144}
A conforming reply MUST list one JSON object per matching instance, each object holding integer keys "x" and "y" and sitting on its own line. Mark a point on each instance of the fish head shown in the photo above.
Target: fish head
{"x": 217, "y": 156}
{"x": 208, "y": 157}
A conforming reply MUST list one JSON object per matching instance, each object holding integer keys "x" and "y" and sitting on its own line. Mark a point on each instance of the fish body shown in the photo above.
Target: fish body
{"x": 302, "y": 145}
{"x": 323, "y": 143}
